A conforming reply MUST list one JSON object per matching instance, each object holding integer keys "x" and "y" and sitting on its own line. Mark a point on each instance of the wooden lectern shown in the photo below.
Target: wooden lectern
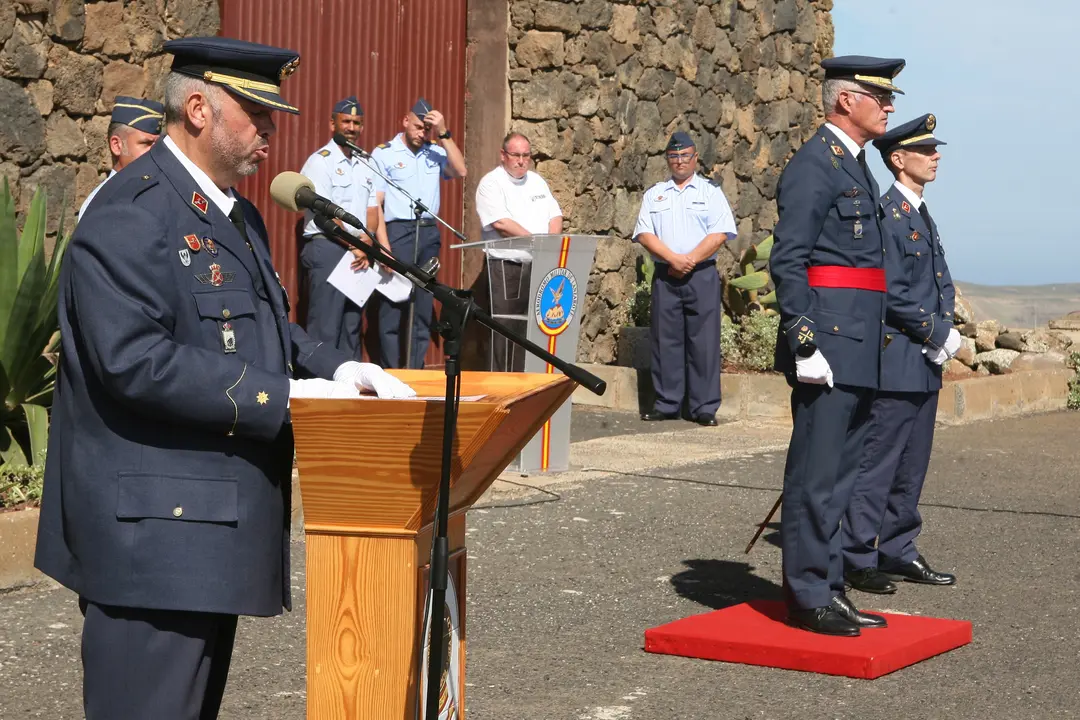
{"x": 369, "y": 474}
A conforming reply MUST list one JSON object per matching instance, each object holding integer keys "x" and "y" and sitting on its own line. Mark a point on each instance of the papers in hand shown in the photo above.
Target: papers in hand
{"x": 358, "y": 286}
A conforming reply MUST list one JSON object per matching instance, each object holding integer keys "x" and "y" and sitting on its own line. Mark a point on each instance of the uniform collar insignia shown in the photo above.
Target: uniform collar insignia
{"x": 837, "y": 150}
{"x": 905, "y": 207}
{"x": 199, "y": 202}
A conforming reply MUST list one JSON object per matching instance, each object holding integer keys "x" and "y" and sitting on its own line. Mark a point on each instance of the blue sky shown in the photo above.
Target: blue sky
{"x": 1000, "y": 77}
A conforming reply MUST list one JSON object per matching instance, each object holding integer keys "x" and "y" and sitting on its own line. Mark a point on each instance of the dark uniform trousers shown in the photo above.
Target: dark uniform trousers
{"x": 394, "y": 317}
{"x": 895, "y": 459}
{"x": 331, "y": 317}
{"x": 685, "y": 333}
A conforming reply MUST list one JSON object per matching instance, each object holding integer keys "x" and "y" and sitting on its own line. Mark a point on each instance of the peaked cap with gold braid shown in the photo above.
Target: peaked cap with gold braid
{"x": 139, "y": 113}
{"x": 871, "y": 71}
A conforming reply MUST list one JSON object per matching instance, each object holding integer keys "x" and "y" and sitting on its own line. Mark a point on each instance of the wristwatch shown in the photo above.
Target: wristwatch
{"x": 444, "y": 135}
{"x": 806, "y": 350}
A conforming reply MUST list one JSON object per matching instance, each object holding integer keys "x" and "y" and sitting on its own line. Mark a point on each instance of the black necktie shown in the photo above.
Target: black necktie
{"x": 861, "y": 157}
{"x": 926, "y": 217}
{"x": 236, "y": 215}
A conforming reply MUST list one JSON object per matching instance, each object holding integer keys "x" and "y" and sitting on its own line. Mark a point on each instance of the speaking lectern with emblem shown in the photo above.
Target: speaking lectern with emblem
{"x": 369, "y": 475}
{"x": 537, "y": 285}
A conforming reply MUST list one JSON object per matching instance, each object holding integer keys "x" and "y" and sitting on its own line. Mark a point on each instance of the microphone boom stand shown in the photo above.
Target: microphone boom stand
{"x": 458, "y": 307}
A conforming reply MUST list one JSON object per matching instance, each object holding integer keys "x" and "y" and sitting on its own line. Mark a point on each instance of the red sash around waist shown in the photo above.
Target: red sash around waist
{"x": 837, "y": 276}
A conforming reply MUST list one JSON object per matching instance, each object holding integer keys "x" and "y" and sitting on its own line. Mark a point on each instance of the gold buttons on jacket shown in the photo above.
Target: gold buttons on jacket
{"x": 177, "y": 511}
{"x": 225, "y": 313}
{"x": 939, "y": 274}
{"x": 835, "y": 328}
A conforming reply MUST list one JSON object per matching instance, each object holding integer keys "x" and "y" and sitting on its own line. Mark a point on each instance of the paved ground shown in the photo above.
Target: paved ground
{"x": 651, "y": 527}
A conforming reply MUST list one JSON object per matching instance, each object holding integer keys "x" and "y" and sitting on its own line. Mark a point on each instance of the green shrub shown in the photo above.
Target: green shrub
{"x": 639, "y": 304}
{"x": 21, "y": 484}
{"x": 1073, "y": 399}
{"x": 729, "y": 340}
{"x": 757, "y": 340}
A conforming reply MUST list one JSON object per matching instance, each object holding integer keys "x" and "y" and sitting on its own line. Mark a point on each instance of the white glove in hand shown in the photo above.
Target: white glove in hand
{"x": 938, "y": 356}
{"x": 952, "y": 343}
{"x": 814, "y": 370}
{"x": 369, "y": 376}
{"x": 321, "y": 389}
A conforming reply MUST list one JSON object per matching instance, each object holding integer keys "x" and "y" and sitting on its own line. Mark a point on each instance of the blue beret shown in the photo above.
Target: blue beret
{"x": 421, "y": 108}
{"x": 872, "y": 71}
{"x": 914, "y": 133}
{"x": 248, "y": 70}
{"x": 349, "y": 106}
{"x": 141, "y": 114}
{"x": 680, "y": 141}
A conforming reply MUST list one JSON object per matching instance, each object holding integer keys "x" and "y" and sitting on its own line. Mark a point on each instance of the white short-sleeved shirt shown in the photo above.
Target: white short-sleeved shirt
{"x": 86, "y": 202}
{"x": 527, "y": 201}
{"x": 681, "y": 218}
{"x": 346, "y": 181}
{"x": 417, "y": 173}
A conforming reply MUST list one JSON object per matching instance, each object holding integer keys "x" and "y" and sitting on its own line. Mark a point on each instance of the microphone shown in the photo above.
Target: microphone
{"x": 344, "y": 142}
{"x": 295, "y": 192}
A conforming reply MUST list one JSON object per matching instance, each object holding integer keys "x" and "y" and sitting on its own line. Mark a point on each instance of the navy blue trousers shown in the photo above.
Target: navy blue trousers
{"x": 393, "y": 317}
{"x": 823, "y": 457}
{"x": 885, "y": 503}
{"x": 685, "y": 332}
{"x": 331, "y": 317}
{"x": 161, "y": 664}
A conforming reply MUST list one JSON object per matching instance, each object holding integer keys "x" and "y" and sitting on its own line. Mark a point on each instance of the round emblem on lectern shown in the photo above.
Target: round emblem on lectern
{"x": 556, "y": 301}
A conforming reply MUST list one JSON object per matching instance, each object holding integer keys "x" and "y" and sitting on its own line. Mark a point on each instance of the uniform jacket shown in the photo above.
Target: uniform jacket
{"x": 921, "y": 298}
{"x": 828, "y": 215}
{"x": 167, "y": 482}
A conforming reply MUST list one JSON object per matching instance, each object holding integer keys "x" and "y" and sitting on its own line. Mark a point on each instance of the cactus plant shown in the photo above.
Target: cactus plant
{"x": 743, "y": 291}
{"x": 639, "y": 304}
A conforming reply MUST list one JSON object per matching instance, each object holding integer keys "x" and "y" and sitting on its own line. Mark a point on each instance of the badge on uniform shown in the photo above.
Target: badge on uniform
{"x": 339, "y": 171}
{"x": 193, "y": 242}
{"x": 228, "y": 337}
{"x": 836, "y": 164}
{"x": 915, "y": 235}
{"x": 853, "y": 192}
{"x": 837, "y": 150}
{"x": 215, "y": 277}
{"x": 895, "y": 214}
{"x": 211, "y": 246}
{"x": 185, "y": 257}
{"x": 199, "y": 202}
{"x": 858, "y": 229}
{"x": 400, "y": 165}
{"x": 659, "y": 198}
{"x": 905, "y": 207}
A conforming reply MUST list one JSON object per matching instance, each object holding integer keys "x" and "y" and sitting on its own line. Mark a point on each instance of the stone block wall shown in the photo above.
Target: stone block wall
{"x": 599, "y": 86}
{"x": 62, "y": 64}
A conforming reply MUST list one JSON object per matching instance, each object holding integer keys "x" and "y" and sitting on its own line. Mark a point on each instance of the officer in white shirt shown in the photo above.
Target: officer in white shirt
{"x": 512, "y": 200}
{"x": 134, "y": 126}
{"x": 352, "y": 184}
{"x": 683, "y": 222}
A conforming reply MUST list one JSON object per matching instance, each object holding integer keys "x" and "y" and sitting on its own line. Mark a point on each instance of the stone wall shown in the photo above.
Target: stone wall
{"x": 62, "y": 64}
{"x": 600, "y": 85}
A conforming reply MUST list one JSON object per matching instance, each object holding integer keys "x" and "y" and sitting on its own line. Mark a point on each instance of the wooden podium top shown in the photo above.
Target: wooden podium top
{"x": 372, "y": 466}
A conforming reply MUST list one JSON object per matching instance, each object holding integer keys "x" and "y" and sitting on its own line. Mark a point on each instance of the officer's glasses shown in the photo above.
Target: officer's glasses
{"x": 518, "y": 156}
{"x": 880, "y": 98}
{"x": 681, "y": 157}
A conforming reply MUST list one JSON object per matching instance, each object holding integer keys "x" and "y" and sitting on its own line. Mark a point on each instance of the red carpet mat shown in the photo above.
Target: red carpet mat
{"x": 755, "y": 633}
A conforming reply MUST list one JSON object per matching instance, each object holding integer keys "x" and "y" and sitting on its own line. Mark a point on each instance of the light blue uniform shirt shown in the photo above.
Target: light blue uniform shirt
{"x": 418, "y": 175}
{"x": 346, "y": 181}
{"x": 682, "y": 218}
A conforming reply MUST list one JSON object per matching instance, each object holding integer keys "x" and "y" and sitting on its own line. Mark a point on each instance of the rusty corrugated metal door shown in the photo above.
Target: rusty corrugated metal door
{"x": 387, "y": 53}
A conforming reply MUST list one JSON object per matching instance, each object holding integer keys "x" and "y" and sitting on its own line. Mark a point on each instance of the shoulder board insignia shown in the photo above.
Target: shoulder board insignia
{"x": 383, "y": 145}
{"x": 324, "y": 153}
{"x": 837, "y": 150}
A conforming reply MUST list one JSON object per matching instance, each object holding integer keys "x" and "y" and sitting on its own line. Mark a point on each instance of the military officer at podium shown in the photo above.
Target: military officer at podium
{"x": 827, "y": 263}
{"x": 683, "y": 221}
{"x": 134, "y": 126}
{"x": 167, "y": 488}
{"x": 882, "y": 518}
{"x": 351, "y": 183}
{"x": 417, "y": 159}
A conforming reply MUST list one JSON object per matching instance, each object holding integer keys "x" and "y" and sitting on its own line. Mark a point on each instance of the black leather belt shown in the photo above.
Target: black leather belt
{"x": 424, "y": 222}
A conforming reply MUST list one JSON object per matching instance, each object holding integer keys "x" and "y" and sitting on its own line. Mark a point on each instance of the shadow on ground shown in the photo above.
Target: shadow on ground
{"x": 719, "y": 584}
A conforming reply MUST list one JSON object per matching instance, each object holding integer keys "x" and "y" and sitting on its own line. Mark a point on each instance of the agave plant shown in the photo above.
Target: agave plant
{"x": 29, "y": 331}
{"x": 742, "y": 291}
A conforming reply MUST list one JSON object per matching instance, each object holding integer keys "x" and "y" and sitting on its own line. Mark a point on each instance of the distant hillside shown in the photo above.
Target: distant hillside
{"x": 1021, "y": 306}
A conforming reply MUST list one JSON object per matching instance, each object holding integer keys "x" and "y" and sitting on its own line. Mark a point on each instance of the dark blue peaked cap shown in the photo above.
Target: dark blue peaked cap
{"x": 141, "y": 114}
{"x": 914, "y": 133}
{"x": 872, "y": 71}
{"x": 348, "y": 106}
{"x": 248, "y": 70}
{"x": 679, "y": 141}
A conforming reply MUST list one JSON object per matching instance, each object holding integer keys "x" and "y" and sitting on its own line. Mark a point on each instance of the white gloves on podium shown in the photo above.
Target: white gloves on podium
{"x": 814, "y": 370}
{"x": 349, "y": 379}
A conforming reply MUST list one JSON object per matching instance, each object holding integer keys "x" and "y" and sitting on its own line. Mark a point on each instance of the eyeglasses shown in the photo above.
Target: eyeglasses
{"x": 880, "y": 98}
{"x": 681, "y": 157}
{"x": 518, "y": 156}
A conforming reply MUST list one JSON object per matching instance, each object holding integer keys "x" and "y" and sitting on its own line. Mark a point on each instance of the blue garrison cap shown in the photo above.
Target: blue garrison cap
{"x": 421, "y": 108}
{"x": 914, "y": 133}
{"x": 679, "y": 141}
{"x": 348, "y": 106}
{"x": 248, "y": 70}
{"x": 141, "y": 114}
{"x": 872, "y": 71}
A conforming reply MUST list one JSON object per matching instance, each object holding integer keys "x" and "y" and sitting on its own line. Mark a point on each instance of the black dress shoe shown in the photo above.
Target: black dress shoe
{"x": 706, "y": 420}
{"x": 822, "y": 620}
{"x": 655, "y": 415}
{"x": 869, "y": 580}
{"x": 853, "y": 615}
{"x": 918, "y": 571}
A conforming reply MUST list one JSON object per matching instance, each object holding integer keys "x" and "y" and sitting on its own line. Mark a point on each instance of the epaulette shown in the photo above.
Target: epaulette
{"x": 383, "y": 146}
{"x": 324, "y": 153}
